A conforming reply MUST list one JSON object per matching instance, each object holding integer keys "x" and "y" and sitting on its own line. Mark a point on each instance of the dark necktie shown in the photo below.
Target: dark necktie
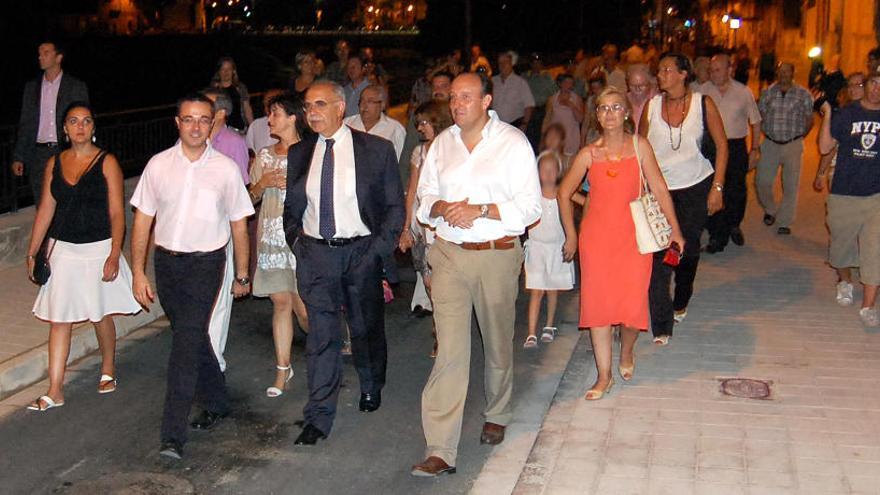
{"x": 326, "y": 217}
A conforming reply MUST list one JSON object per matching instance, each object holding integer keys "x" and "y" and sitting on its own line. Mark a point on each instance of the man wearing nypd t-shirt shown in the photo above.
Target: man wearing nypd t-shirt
{"x": 854, "y": 199}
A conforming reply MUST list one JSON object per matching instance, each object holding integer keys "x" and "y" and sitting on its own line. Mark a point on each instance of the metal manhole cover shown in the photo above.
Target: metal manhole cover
{"x": 746, "y": 388}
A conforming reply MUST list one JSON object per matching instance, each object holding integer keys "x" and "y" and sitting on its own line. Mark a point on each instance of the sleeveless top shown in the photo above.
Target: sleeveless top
{"x": 82, "y": 214}
{"x": 683, "y": 166}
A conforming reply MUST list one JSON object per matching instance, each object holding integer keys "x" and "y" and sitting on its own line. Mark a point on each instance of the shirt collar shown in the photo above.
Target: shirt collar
{"x": 337, "y": 136}
{"x": 491, "y": 125}
{"x": 56, "y": 81}
{"x": 209, "y": 150}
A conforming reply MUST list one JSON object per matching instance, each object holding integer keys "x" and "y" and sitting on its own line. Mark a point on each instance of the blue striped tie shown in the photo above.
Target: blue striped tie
{"x": 326, "y": 217}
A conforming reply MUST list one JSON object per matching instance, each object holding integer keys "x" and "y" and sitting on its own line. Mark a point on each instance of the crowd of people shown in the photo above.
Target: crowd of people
{"x": 535, "y": 173}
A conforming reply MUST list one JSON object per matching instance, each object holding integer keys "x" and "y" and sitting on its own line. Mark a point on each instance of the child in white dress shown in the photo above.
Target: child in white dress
{"x": 546, "y": 271}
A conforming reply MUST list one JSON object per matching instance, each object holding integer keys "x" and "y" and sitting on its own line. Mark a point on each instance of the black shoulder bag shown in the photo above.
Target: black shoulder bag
{"x": 707, "y": 144}
{"x": 42, "y": 270}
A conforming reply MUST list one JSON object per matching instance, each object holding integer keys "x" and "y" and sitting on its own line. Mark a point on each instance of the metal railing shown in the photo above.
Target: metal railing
{"x": 132, "y": 135}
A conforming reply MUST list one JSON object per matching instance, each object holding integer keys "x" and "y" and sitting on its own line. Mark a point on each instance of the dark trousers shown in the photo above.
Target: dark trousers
{"x": 35, "y": 169}
{"x": 337, "y": 282}
{"x": 722, "y": 223}
{"x": 691, "y": 211}
{"x": 188, "y": 287}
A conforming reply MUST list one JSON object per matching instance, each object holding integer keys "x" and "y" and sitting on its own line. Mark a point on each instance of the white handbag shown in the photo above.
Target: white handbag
{"x": 653, "y": 231}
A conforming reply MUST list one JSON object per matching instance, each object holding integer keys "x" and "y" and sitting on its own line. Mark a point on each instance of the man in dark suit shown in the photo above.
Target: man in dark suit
{"x": 343, "y": 212}
{"x": 42, "y": 110}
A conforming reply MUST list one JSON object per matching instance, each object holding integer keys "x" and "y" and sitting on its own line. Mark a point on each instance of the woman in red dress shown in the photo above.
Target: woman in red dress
{"x": 614, "y": 275}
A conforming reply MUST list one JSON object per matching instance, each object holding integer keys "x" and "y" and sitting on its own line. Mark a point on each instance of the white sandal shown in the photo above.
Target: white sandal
{"x": 661, "y": 340}
{"x": 50, "y": 404}
{"x": 531, "y": 342}
{"x": 273, "y": 391}
{"x": 106, "y": 379}
{"x": 548, "y": 334}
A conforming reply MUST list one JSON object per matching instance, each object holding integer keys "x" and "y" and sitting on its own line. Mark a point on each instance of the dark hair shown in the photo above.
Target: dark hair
{"x": 554, "y": 127}
{"x": 874, "y": 53}
{"x": 443, "y": 73}
{"x": 437, "y": 114}
{"x": 78, "y": 104}
{"x": 60, "y": 49}
{"x": 292, "y": 106}
{"x": 194, "y": 98}
{"x": 682, "y": 62}
{"x": 485, "y": 83}
{"x": 563, "y": 77}
{"x": 599, "y": 77}
{"x": 358, "y": 57}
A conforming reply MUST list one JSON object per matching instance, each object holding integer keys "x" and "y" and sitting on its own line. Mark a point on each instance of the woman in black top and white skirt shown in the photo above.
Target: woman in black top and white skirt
{"x": 82, "y": 213}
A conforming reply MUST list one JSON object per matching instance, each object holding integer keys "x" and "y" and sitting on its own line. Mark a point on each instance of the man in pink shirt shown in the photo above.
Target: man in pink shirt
{"x": 197, "y": 199}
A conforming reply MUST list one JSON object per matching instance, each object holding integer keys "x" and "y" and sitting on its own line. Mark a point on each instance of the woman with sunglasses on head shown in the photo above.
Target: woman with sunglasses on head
{"x": 226, "y": 78}
{"x": 673, "y": 122}
{"x": 81, "y": 211}
{"x": 614, "y": 275}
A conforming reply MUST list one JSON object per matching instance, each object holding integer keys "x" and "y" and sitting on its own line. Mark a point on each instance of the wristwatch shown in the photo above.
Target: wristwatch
{"x": 243, "y": 281}
{"x": 484, "y": 211}
{"x": 718, "y": 186}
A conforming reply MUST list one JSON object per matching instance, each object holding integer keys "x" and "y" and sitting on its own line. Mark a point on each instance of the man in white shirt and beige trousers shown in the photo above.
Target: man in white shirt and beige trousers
{"x": 479, "y": 188}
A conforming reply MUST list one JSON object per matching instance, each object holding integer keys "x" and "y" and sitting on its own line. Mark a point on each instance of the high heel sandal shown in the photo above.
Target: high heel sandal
{"x": 274, "y": 391}
{"x": 594, "y": 394}
{"x": 626, "y": 372}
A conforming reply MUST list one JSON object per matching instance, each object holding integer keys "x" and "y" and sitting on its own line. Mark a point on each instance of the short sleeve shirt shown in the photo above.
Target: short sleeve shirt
{"x": 856, "y": 130}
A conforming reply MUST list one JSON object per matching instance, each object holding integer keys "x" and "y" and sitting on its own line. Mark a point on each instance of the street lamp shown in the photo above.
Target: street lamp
{"x": 735, "y": 24}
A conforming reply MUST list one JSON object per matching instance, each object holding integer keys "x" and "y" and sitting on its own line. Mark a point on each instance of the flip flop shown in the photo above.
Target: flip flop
{"x": 37, "y": 405}
{"x": 106, "y": 379}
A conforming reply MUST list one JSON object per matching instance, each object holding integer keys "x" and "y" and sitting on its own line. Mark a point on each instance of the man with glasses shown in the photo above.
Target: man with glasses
{"x": 478, "y": 187}
{"x": 852, "y": 132}
{"x": 786, "y": 117}
{"x": 740, "y": 114}
{"x": 198, "y": 201}
{"x": 343, "y": 213}
{"x": 372, "y": 118}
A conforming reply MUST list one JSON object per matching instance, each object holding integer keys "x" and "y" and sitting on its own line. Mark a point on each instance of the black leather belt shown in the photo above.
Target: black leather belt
{"x": 335, "y": 242}
{"x": 784, "y": 142}
{"x": 191, "y": 254}
{"x": 47, "y": 145}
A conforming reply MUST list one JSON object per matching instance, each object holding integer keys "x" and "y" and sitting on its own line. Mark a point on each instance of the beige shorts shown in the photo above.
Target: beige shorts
{"x": 854, "y": 222}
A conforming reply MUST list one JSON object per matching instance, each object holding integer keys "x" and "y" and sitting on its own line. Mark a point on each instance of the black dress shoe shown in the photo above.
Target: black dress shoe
{"x": 769, "y": 219}
{"x": 423, "y": 313}
{"x": 206, "y": 420}
{"x": 171, "y": 449}
{"x": 309, "y": 436}
{"x": 783, "y": 231}
{"x": 713, "y": 248}
{"x": 370, "y": 402}
{"x": 736, "y": 237}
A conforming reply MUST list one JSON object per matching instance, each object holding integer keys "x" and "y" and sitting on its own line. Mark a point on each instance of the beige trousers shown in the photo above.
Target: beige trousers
{"x": 486, "y": 282}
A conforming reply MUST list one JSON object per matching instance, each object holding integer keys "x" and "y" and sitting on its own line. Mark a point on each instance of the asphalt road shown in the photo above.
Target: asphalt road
{"x": 109, "y": 443}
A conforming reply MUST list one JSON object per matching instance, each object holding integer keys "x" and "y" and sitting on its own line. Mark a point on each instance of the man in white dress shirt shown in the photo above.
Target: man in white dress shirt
{"x": 479, "y": 189}
{"x": 740, "y": 114}
{"x": 372, "y": 118}
{"x": 198, "y": 201}
{"x": 511, "y": 97}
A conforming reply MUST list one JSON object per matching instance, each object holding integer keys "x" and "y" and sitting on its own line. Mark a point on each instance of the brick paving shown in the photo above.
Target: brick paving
{"x": 765, "y": 311}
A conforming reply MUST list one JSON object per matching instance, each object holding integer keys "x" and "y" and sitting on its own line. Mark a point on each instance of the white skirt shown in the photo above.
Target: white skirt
{"x": 75, "y": 291}
{"x": 545, "y": 268}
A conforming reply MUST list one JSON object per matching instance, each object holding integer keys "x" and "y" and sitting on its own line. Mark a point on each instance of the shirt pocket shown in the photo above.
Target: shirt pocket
{"x": 207, "y": 205}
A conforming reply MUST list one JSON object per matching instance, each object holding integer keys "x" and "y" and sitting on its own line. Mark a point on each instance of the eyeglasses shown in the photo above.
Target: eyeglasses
{"x": 616, "y": 108}
{"x": 193, "y": 120}
{"x": 319, "y": 105}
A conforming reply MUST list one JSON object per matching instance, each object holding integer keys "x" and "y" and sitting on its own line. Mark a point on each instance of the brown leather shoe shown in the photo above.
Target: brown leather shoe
{"x": 492, "y": 434}
{"x": 432, "y": 467}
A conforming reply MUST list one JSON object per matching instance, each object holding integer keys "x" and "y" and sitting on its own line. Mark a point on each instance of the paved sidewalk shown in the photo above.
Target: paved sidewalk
{"x": 765, "y": 311}
{"x": 23, "y": 338}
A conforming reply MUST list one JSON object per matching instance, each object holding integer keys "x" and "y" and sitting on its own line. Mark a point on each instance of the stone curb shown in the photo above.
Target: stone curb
{"x": 31, "y": 367}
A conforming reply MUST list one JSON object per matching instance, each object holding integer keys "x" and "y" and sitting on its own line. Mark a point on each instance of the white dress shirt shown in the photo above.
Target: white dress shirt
{"x": 737, "y": 107}
{"x": 511, "y": 97}
{"x": 345, "y": 202}
{"x": 193, "y": 202}
{"x": 386, "y": 128}
{"x": 258, "y": 136}
{"x": 501, "y": 169}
